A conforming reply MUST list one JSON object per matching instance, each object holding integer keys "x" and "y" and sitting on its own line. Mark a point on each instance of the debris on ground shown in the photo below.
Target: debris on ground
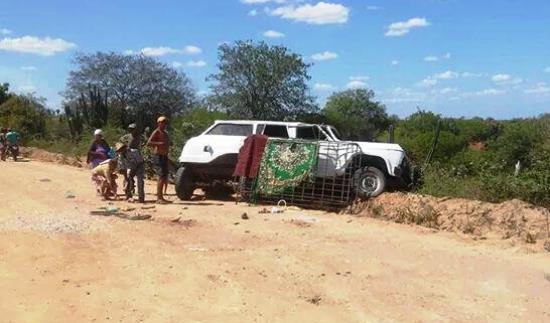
{"x": 69, "y": 195}
{"x": 44, "y": 180}
{"x": 244, "y": 216}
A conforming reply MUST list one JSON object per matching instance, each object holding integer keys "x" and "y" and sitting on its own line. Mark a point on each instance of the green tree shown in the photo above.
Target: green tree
{"x": 260, "y": 81}
{"x": 26, "y": 114}
{"x": 356, "y": 115}
{"x": 4, "y": 92}
{"x": 135, "y": 88}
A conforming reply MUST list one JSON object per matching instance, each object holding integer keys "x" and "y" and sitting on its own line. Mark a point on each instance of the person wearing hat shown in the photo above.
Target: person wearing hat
{"x": 130, "y": 160}
{"x": 132, "y": 139}
{"x": 160, "y": 142}
{"x": 99, "y": 149}
{"x": 104, "y": 176}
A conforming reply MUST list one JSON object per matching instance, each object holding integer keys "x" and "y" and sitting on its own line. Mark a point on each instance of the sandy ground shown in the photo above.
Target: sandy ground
{"x": 60, "y": 264}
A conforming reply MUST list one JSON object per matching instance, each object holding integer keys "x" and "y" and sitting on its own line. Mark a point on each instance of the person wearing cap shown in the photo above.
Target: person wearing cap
{"x": 160, "y": 142}
{"x": 104, "y": 175}
{"x": 132, "y": 139}
{"x": 130, "y": 160}
{"x": 99, "y": 149}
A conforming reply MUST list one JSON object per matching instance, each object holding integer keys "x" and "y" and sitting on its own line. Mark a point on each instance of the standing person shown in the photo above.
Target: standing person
{"x": 12, "y": 140}
{"x": 99, "y": 150}
{"x": 3, "y": 143}
{"x": 131, "y": 161}
{"x": 159, "y": 140}
{"x": 132, "y": 140}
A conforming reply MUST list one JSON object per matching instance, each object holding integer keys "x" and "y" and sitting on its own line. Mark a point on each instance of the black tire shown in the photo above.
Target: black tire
{"x": 369, "y": 181}
{"x": 184, "y": 183}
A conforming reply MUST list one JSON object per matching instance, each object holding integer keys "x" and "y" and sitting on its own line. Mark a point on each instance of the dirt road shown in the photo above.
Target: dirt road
{"x": 60, "y": 264}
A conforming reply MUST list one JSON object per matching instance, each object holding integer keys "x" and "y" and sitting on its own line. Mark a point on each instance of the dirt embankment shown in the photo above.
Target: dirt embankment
{"x": 46, "y": 156}
{"x": 514, "y": 221}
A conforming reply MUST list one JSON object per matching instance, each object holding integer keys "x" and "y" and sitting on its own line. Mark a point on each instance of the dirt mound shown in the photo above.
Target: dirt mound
{"x": 46, "y": 156}
{"x": 514, "y": 219}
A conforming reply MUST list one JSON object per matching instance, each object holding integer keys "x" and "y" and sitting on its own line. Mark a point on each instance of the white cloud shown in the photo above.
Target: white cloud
{"x": 428, "y": 82}
{"x": 29, "y": 68}
{"x": 431, "y": 59}
{"x": 373, "y": 8}
{"x": 129, "y": 52}
{"x": 34, "y": 45}
{"x": 501, "y": 77}
{"x": 324, "y": 56}
{"x": 402, "y": 28}
{"x": 447, "y": 75}
{"x": 323, "y": 87}
{"x": 486, "y": 92}
{"x": 321, "y": 13}
{"x": 547, "y": 70}
{"x": 394, "y": 62}
{"x": 199, "y": 63}
{"x": 506, "y": 79}
{"x": 253, "y": 13}
{"x": 541, "y": 88}
{"x": 434, "y": 58}
{"x": 159, "y": 51}
{"x": 192, "y": 50}
{"x": 448, "y": 90}
{"x": 432, "y": 80}
{"x": 468, "y": 74}
{"x": 356, "y": 85}
{"x": 5, "y": 31}
{"x": 163, "y": 50}
{"x": 273, "y": 34}
{"x": 357, "y": 82}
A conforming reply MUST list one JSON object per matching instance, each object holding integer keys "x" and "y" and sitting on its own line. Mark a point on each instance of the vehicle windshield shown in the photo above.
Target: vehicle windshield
{"x": 228, "y": 129}
{"x": 310, "y": 132}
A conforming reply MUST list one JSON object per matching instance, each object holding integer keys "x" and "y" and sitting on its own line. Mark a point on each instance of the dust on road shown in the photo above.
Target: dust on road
{"x": 58, "y": 263}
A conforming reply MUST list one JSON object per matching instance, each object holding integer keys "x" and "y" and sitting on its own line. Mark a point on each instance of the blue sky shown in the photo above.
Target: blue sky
{"x": 487, "y": 58}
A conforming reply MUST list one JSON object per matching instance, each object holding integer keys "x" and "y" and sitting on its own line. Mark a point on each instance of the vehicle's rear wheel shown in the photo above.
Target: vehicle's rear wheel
{"x": 369, "y": 181}
{"x": 184, "y": 183}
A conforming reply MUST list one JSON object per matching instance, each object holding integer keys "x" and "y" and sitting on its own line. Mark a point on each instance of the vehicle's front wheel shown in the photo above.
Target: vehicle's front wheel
{"x": 184, "y": 183}
{"x": 369, "y": 181}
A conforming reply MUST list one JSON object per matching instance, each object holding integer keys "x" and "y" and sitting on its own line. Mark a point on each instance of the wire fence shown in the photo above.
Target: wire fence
{"x": 330, "y": 184}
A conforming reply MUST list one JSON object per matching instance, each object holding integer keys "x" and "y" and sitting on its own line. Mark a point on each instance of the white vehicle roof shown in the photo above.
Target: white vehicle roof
{"x": 295, "y": 124}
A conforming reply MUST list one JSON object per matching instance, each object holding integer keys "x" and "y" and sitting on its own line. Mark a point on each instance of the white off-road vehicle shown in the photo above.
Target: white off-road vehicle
{"x": 212, "y": 156}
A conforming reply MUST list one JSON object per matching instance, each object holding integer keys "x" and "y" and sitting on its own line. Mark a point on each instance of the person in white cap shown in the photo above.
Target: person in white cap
{"x": 99, "y": 149}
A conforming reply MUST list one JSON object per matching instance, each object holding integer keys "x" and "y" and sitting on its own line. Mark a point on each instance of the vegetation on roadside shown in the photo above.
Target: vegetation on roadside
{"x": 475, "y": 158}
